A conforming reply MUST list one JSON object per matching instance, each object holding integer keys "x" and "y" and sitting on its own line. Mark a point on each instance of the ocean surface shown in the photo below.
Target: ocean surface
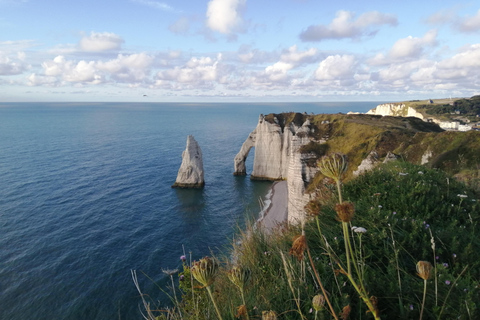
{"x": 85, "y": 197}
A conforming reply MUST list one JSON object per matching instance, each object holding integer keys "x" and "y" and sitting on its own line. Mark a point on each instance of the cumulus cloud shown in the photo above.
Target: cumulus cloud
{"x": 71, "y": 71}
{"x": 128, "y": 68}
{"x": 197, "y": 72}
{"x": 413, "y": 47}
{"x": 344, "y": 25}
{"x": 104, "y": 41}
{"x": 405, "y": 49}
{"x": 296, "y": 57}
{"x": 12, "y": 64}
{"x": 289, "y": 59}
{"x": 468, "y": 24}
{"x": 225, "y": 16}
{"x": 337, "y": 67}
{"x": 134, "y": 68}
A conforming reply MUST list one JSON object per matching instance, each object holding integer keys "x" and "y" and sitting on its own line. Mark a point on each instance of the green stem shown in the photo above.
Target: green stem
{"x": 423, "y": 300}
{"x": 244, "y": 303}
{"x": 339, "y": 189}
{"x": 324, "y": 292}
{"x": 214, "y": 303}
{"x": 346, "y": 238}
{"x": 361, "y": 291}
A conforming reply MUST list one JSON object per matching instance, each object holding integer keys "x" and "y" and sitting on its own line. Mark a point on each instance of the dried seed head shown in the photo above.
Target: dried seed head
{"x": 205, "y": 271}
{"x": 345, "y": 312}
{"x": 313, "y": 208}
{"x": 239, "y": 276}
{"x": 241, "y": 312}
{"x": 318, "y": 302}
{"x": 269, "y": 315}
{"x": 345, "y": 211}
{"x": 374, "y": 301}
{"x": 298, "y": 247}
{"x": 423, "y": 269}
{"x": 333, "y": 166}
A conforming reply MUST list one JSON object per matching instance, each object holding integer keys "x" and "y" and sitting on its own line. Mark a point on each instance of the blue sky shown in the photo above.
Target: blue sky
{"x": 238, "y": 50}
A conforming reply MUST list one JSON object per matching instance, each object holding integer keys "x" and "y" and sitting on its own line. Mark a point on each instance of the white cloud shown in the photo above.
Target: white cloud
{"x": 344, "y": 26}
{"x": 292, "y": 55}
{"x": 39, "y": 80}
{"x": 225, "y": 16}
{"x": 128, "y": 68}
{"x": 412, "y": 47}
{"x": 469, "y": 58}
{"x": 12, "y": 64}
{"x": 469, "y": 23}
{"x": 70, "y": 71}
{"x": 104, "y": 41}
{"x": 197, "y": 72}
{"x": 132, "y": 68}
{"x": 337, "y": 67}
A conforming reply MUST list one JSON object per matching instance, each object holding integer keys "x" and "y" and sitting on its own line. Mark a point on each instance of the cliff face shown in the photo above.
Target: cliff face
{"x": 287, "y": 147}
{"x": 273, "y": 142}
{"x": 190, "y": 174}
{"x": 276, "y": 141}
{"x": 395, "y": 110}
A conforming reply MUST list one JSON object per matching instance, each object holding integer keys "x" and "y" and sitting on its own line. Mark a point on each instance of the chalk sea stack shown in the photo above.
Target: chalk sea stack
{"x": 190, "y": 174}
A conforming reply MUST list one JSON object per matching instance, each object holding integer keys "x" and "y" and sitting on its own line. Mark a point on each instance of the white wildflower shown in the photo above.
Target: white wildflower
{"x": 359, "y": 229}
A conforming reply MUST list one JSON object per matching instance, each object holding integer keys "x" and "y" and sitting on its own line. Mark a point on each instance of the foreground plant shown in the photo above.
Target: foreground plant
{"x": 335, "y": 167}
{"x": 239, "y": 277}
{"x": 204, "y": 271}
{"x": 424, "y": 269}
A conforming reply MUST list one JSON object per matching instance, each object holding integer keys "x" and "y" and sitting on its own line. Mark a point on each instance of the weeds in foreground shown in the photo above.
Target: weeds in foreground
{"x": 407, "y": 249}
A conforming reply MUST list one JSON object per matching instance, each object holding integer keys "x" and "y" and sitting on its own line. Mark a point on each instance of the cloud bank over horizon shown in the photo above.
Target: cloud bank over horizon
{"x": 234, "y": 49}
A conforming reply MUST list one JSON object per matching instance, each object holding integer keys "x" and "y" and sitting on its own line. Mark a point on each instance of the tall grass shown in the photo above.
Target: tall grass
{"x": 404, "y": 215}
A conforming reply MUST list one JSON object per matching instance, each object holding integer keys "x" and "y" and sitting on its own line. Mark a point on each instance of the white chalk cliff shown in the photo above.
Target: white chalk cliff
{"x": 401, "y": 110}
{"x": 277, "y": 158}
{"x": 396, "y": 110}
{"x": 190, "y": 174}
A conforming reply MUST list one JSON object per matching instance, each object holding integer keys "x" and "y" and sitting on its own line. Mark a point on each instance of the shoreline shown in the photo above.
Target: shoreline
{"x": 276, "y": 212}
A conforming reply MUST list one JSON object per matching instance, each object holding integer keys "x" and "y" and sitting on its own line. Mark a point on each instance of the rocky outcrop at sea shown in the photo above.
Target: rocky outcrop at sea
{"x": 190, "y": 174}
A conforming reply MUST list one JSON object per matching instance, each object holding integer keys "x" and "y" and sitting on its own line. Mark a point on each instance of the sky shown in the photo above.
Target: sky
{"x": 238, "y": 50}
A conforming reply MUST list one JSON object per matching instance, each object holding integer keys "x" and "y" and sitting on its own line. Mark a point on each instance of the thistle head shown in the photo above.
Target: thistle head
{"x": 333, "y": 166}
{"x": 299, "y": 246}
{"x": 345, "y": 312}
{"x": 241, "y": 312}
{"x": 239, "y": 276}
{"x": 318, "y": 302}
{"x": 424, "y": 269}
{"x": 313, "y": 208}
{"x": 205, "y": 271}
{"x": 269, "y": 315}
{"x": 345, "y": 211}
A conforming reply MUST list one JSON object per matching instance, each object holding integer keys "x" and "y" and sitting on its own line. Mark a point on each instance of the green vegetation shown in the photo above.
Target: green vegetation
{"x": 399, "y": 242}
{"x": 449, "y": 109}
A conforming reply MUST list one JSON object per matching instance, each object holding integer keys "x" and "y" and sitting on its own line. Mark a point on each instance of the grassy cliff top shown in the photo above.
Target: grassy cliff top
{"x": 451, "y": 109}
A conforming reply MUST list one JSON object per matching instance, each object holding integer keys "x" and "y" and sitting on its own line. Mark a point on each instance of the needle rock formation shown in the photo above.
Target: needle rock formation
{"x": 190, "y": 174}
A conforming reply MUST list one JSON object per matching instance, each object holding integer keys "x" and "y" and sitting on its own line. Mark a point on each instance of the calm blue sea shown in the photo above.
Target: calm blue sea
{"x": 85, "y": 197}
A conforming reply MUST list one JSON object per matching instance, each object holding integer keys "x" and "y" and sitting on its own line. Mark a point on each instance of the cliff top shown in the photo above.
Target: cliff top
{"x": 449, "y": 109}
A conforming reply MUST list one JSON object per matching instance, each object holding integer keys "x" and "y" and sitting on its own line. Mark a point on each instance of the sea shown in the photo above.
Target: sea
{"x": 86, "y": 197}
